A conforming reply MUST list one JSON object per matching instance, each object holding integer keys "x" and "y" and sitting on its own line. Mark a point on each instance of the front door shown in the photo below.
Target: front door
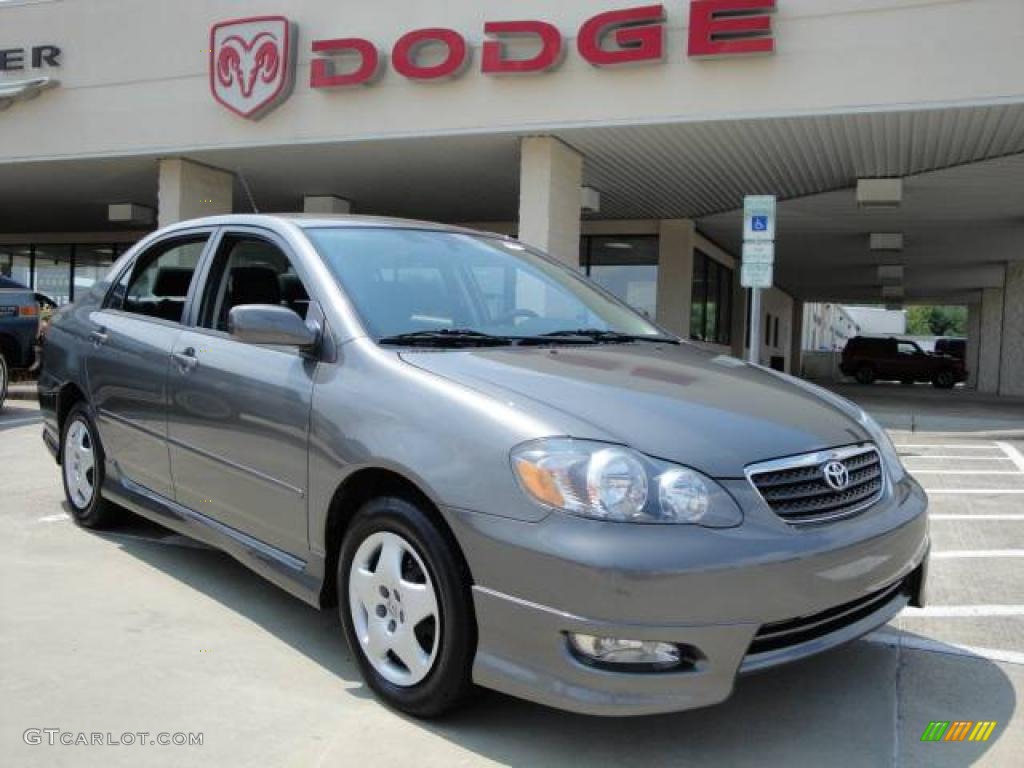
{"x": 238, "y": 422}
{"x": 131, "y": 341}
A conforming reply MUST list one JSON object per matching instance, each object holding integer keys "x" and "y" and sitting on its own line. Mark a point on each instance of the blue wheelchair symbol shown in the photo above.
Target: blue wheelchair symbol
{"x": 759, "y": 223}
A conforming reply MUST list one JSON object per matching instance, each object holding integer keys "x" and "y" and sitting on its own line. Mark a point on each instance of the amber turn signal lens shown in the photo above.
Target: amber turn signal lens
{"x": 29, "y": 310}
{"x": 539, "y": 482}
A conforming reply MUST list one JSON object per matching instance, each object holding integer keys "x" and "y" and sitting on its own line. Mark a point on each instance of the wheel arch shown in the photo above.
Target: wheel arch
{"x": 10, "y": 347}
{"x": 67, "y": 396}
{"x": 354, "y": 491}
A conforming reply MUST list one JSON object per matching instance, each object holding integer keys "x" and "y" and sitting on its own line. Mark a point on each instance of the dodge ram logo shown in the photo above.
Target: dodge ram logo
{"x": 251, "y": 64}
{"x": 836, "y": 475}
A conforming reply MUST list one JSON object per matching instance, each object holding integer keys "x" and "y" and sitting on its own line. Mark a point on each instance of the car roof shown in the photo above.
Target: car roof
{"x": 6, "y": 282}
{"x": 316, "y": 221}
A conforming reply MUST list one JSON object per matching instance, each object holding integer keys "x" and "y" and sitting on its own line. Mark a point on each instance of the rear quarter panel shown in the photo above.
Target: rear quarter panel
{"x": 64, "y": 355}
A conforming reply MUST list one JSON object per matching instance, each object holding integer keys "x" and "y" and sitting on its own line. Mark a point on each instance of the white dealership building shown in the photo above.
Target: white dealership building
{"x": 621, "y": 137}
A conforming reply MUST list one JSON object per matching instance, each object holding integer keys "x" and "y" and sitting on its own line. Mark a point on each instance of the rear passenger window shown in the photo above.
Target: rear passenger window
{"x": 157, "y": 284}
{"x": 250, "y": 270}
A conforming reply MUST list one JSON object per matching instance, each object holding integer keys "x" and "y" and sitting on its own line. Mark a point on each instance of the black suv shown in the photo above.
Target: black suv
{"x": 869, "y": 359}
{"x": 953, "y": 347}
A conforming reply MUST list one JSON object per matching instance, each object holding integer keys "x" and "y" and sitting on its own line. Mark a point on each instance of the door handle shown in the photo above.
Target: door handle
{"x": 186, "y": 360}
{"x": 99, "y": 337}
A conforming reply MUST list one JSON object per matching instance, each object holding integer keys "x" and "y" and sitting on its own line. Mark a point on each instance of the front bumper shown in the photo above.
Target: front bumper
{"x": 744, "y": 599}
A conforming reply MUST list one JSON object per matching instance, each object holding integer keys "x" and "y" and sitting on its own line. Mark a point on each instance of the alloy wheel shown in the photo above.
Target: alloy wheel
{"x": 394, "y": 608}
{"x": 79, "y": 464}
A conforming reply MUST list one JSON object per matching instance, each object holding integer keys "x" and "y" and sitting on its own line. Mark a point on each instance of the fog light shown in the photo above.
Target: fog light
{"x": 634, "y": 655}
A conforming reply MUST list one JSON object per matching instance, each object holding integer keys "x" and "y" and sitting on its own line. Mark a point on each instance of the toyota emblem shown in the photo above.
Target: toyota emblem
{"x": 836, "y": 475}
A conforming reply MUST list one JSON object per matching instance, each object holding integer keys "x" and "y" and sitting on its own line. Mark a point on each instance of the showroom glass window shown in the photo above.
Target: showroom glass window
{"x": 61, "y": 271}
{"x": 711, "y": 300}
{"x": 16, "y": 263}
{"x": 625, "y": 266}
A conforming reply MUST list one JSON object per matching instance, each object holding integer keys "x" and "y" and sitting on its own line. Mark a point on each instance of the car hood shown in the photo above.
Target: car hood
{"x": 680, "y": 403}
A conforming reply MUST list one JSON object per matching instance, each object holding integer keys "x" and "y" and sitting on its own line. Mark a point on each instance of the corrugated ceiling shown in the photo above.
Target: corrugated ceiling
{"x": 697, "y": 169}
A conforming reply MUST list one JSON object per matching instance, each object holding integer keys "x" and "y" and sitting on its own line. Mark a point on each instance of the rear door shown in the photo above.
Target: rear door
{"x": 239, "y": 415}
{"x": 131, "y": 339}
{"x": 911, "y": 362}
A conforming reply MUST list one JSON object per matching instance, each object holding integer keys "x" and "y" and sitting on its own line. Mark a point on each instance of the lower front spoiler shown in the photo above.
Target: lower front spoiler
{"x": 523, "y": 651}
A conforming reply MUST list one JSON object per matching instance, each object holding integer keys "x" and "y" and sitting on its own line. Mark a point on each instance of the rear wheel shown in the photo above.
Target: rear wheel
{"x": 406, "y": 609}
{"x": 865, "y": 375}
{"x": 82, "y": 461}
{"x": 943, "y": 380}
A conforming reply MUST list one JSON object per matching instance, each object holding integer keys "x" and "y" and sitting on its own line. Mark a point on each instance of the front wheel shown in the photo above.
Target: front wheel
{"x": 943, "y": 380}
{"x": 83, "y": 470}
{"x": 865, "y": 375}
{"x": 406, "y": 609}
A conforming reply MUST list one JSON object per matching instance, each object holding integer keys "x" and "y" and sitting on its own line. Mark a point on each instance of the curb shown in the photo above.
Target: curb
{"x": 22, "y": 392}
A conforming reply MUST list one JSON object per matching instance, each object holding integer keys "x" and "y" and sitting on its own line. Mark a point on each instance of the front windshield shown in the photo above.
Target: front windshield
{"x": 408, "y": 281}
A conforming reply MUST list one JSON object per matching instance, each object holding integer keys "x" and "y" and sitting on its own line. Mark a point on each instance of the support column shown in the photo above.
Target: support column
{"x": 189, "y": 190}
{"x": 676, "y": 239}
{"x": 739, "y": 317}
{"x": 973, "y": 343}
{"x": 796, "y": 337}
{"x": 1011, "y": 379}
{"x": 990, "y": 351}
{"x": 550, "y": 184}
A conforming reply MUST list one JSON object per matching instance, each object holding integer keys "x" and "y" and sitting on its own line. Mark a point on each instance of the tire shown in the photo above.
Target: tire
{"x": 82, "y": 469}
{"x": 437, "y": 679}
{"x": 865, "y": 375}
{"x": 5, "y": 376}
{"x": 943, "y": 380}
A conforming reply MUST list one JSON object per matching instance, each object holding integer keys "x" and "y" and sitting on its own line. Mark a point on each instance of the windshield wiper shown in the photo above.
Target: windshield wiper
{"x": 598, "y": 334}
{"x": 446, "y": 337}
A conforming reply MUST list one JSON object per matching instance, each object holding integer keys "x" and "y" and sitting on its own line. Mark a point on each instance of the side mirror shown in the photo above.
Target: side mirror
{"x": 271, "y": 325}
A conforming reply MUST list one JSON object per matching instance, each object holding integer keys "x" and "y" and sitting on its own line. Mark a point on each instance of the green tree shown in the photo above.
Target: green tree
{"x": 937, "y": 321}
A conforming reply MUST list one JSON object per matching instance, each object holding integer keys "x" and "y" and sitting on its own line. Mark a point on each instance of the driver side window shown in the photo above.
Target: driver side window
{"x": 907, "y": 350}
{"x": 250, "y": 270}
{"x": 157, "y": 284}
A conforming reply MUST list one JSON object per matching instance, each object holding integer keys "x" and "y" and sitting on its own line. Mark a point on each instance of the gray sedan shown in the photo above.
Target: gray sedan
{"x": 500, "y": 474}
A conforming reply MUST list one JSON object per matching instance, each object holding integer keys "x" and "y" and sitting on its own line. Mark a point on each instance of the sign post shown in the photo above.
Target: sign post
{"x": 758, "y": 264}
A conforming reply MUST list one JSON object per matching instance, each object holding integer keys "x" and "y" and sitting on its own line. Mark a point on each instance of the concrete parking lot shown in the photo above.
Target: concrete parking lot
{"x": 141, "y": 630}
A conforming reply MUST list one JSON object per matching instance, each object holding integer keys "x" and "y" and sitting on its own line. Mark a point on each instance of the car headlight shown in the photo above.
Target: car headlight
{"x": 611, "y": 482}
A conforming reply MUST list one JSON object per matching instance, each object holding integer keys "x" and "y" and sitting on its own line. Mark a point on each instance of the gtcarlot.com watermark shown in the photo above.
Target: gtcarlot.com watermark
{"x": 58, "y": 737}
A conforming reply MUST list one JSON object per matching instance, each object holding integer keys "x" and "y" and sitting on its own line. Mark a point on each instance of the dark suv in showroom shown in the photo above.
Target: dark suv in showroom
{"x": 870, "y": 359}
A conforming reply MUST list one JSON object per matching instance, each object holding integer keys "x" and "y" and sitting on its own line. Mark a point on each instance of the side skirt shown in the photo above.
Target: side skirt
{"x": 301, "y": 578}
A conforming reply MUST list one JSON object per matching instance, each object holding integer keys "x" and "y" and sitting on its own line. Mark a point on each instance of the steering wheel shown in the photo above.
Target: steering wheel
{"x": 509, "y": 317}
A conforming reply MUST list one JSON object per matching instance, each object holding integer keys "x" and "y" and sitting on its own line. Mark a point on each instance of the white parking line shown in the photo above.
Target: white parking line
{"x": 974, "y": 447}
{"x": 962, "y": 611}
{"x": 1013, "y": 454}
{"x": 915, "y": 643}
{"x": 959, "y": 458}
{"x": 54, "y": 518}
{"x": 989, "y": 491}
{"x": 965, "y": 472}
{"x": 1007, "y": 516}
{"x": 954, "y": 554}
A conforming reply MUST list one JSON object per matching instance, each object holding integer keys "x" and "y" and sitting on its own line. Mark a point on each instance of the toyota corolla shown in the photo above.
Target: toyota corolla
{"x": 499, "y": 474}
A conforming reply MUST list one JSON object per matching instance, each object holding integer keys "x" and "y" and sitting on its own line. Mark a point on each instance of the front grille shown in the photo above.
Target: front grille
{"x": 796, "y": 489}
{"x": 783, "y": 634}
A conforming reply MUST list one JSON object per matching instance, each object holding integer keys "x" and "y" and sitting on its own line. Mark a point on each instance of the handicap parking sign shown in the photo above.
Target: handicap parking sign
{"x": 759, "y": 218}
